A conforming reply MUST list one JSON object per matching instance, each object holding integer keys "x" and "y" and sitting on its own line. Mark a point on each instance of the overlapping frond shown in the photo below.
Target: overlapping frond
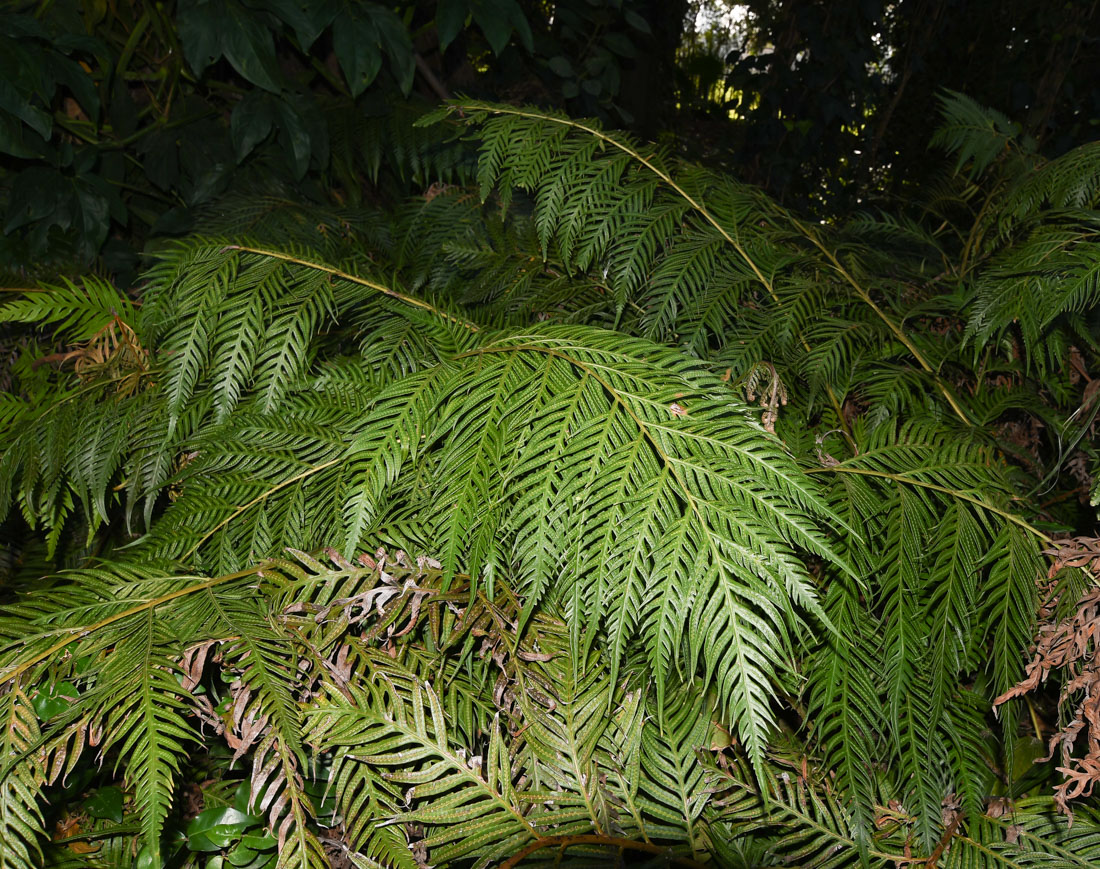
{"x": 977, "y": 134}
{"x": 1043, "y": 287}
{"x": 721, "y": 543}
{"x": 930, "y": 500}
{"x": 21, "y": 823}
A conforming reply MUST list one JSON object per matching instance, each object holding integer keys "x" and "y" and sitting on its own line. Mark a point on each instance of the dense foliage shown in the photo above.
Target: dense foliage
{"x": 122, "y": 123}
{"x": 591, "y": 504}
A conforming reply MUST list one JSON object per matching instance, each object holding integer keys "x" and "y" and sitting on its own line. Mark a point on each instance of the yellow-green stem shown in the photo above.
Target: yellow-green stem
{"x": 955, "y": 493}
{"x": 355, "y": 279}
{"x": 85, "y": 630}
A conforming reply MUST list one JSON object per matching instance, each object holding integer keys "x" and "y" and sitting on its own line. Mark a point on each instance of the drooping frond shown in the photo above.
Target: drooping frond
{"x": 1069, "y": 183}
{"x": 928, "y": 499}
{"x": 1030, "y": 834}
{"x": 603, "y": 455}
{"x": 978, "y": 135}
{"x": 606, "y": 509}
{"x": 74, "y": 311}
{"x": 141, "y": 705}
{"x": 1043, "y": 287}
{"x": 21, "y": 824}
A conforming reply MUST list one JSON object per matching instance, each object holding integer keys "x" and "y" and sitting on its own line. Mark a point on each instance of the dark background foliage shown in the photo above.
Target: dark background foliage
{"x": 120, "y": 121}
{"x": 903, "y": 321}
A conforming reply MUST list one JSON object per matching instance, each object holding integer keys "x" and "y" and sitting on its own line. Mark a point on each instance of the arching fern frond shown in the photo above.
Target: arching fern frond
{"x": 723, "y": 539}
{"x": 21, "y": 824}
{"x": 622, "y": 443}
{"x": 76, "y": 312}
{"x": 1043, "y": 286}
{"x": 976, "y": 133}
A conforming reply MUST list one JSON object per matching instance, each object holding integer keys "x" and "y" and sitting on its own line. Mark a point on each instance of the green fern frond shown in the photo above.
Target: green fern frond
{"x": 21, "y": 823}
{"x": 672, "y": 783}
{"x": 804, "y": 824}
{"x": 942, "y": 525}
{"x": 845, "y": 704}
{"x": 394, "y": 724}
{"x": 1030, "y": 834}
{"x": 1039, "y": 286}
{"x": 74, "y": 311}
{"x": 264, "y": 661}
{"x": 722, "y": 523}
{"x": 142, "y": 708}
{"x": 977, "y": 134}
{"x": 1070, "y": 182}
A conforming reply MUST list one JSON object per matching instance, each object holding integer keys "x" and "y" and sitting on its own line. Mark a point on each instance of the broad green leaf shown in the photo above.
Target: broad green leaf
{"x": 54, "y": 699}
{"x": 200, "y": 33}
{"x": 105, "y": 803}
{"x": 214, "y": 829}
{"x": 495, "y": 18}
{"x": 357, "y": 44}
{"x": 450, "y": 19}
{"x": 295, "y": 137}
{"x": 249, "y": 46}
{"x": 19, "y": 106}
{"x": 560, "y": 65}
{"x": 251, "y": 123}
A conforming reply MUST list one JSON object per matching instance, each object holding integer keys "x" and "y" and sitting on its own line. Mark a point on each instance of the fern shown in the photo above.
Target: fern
{"x": 976, "y": 133}
{"x": 588, "y": 504}
{"x": 21, "y": 825}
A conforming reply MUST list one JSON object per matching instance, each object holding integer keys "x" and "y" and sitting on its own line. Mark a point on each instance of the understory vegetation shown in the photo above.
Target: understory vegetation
{"x": 589, "y": 507}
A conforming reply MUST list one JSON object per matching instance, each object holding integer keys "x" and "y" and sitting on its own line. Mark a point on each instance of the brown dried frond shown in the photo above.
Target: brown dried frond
{"x": 113, "y": 353}
{"x": 1082, "y": 552}
{"x": 278, "y": 787}
{"x": 763, "y": 385}
{"x": 1071, "y": 645}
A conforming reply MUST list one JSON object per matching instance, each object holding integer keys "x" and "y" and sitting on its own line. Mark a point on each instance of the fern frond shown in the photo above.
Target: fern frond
{"x": 1031, "y": 834}
{"x": 265, "y": 663}
{"x": 75, "y": 311}
{"x": 672, "y": 783}
{"x": 21, "y": 823}
{"x": 807, "y": 825}
{"x": 977, "y": 134}
{"x": 1070, "y": 182}
{"x": 395, "y": 723}
{"x": 142, "y": 708}
{"x": 845, "y": 704}
{"x": 594, "y": 424}
{"x": 935, "y": 543}
{"x": 1040, "y": 284}
{"x": 566, "y": 704}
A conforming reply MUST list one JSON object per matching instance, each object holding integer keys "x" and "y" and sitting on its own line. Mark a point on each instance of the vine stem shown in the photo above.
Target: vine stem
{"x": 85, "y": 630}
{"x": 948, "y": 835}
{"x": 955, "y": 493}
{"x": 355, "y": 279}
